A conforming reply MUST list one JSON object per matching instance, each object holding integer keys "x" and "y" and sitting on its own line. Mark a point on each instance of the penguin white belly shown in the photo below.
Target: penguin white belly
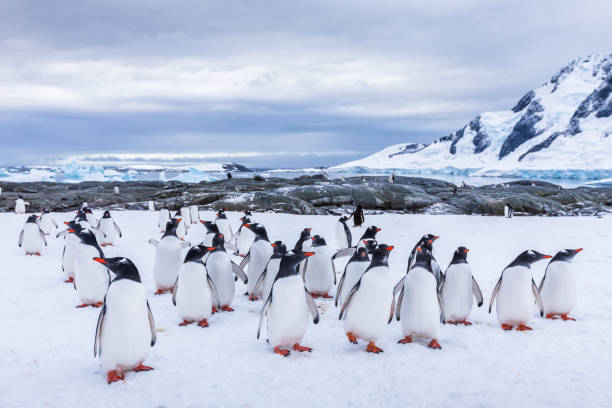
{"x": 288, "y": 315}
{"x": 46, "y": 224}
{"x": 457, "y": 295}
{"x": 341, "y": 236}
{"x": 126, "y": 334}
{"x": 244, "y": 241}
{"x": 181, "y": 229}
{"x": 168, "y": 261}
{"x": 91, "y": 219}
{"x": 186, "y": 216}
{"x": 224, "y": 227}
{"x": 164, "y": 218}
{"x": 369, "y": 310}
{"x": 194, "y": 214}
{"x": 219, "y": 269}
{"x": 69, "y": 256}
{"x": 193, "y": 296}
{"x": 559, "y": 290}
{"x": 272, "y": 271}
{"x": 20, "y": 206}
{"x": 420, "y": 311}
{"x": 354, "y": 270}
{"x": 261, "y": 252}
{"x": 515, "y": 300}
{"x": 107, "y": 227}
{"x": 306, "y": 245}
{"x": 32, "y": 241}
{"x": 91, "y": 279}
{"x": 319, "y": 275}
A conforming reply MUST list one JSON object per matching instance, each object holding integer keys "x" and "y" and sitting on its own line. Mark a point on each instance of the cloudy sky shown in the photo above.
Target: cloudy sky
{"x": 303, "y": 83}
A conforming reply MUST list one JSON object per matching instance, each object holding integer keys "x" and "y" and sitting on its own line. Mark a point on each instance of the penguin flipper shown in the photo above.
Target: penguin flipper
{"x": 245, "y": 261}
{"x": 312, "y": 306}
{"x": 260, "y": 281}
{"x": 344, "y": 252}
{"x": 154, "y": 242}
{"x": 347, "y": 302}
{"x": 174, "y": 290}
{"x": 334, "y": 272}
{"x": 42, "y": 235}
{"x": 349, "y": 236}
{"x": 392, "y": 310}
{"x": 61, "y": 233}
{"x": 264, "y": 311}
{"x": 398, "y": 286}
{"x": 117, "y": 229}
{"x": 441, "y": 304}
{"x": 152, "y": 325}
{"x": 20, "y": 239}
{"x": 339, "y": 288}
{"x": 399, "y": 304}
{"x": 477, "y": 292}
{"x": 538, "y": 298}
{"x": 99, "y": 327}
{"x": 542, "y": 281}
{"x": 239, "y": 272}
{"x": 213, "y": 289}
{"x": 495, "y": 290}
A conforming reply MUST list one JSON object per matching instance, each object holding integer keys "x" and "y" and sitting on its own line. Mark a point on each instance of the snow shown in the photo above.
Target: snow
{"x": 46, "y": 347}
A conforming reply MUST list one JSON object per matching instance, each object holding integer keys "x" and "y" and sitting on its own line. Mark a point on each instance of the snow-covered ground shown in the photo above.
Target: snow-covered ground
{"x": 46, "y": 344}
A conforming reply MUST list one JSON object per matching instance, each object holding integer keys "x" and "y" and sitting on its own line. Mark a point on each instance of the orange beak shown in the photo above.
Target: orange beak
{"x": 211, "y": 248}
{"x": 377, "y": 229}
{"x": 578, "y": 250}
{"x": 202, "y": 221}
{"x": 220, "y": 235}
{"x": 273, "y": 245}
{"x": 390, "y": 248}
{"x": 71, "y": 230}
{"x": 179, "y": 219}
{"x": 419, "y": 249}
{"x": 547, "y": 256}
{"x": 309, "y": 229}
{"x": 365, "y": 242}
{"x": 309, "y": 253}
{"x": 66, "y": 222}
{"x": 436, "y": 237}
{"x": 246, "y": 225}
{"x": 466, "y": 250}
{"x": 101, "y": 260}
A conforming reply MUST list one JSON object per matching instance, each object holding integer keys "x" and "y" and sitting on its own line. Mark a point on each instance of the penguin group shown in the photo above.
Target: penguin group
{"x": 201, "y": 277}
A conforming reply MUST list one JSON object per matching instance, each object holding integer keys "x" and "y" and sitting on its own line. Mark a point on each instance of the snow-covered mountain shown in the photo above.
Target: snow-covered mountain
{"x": 562, "y": 129}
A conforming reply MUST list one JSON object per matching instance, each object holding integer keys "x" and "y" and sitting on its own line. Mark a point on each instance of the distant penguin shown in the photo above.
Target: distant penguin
{"x": 269, "y": 275}
{"x": 419, "y": 304}
{"x": 508, "y": 211}
{"x": 211, "y": 230}
{"x": 168, "y": 258}
{"x": 515, "y": 292}
{"x": 32, "y": 238}
{"x": 303, "y": 244}
{"x": 221, "y": 270}
{"x": 194, "y": 293}
{"x": 558, "y": 286}
{"x": 358, "y": 216}
{"x": 20, "y": 205}
{"x": 344, "y": 237}
{"x": 71, "y": 240}
{"x": 368, "y": 236}
{"x": 194, "y": 214}
{"x": 125, "y": 329}
{"x": 181, "y": 226}
{"x": 257, "y": 258}
{"x": 91, "y": 279}
{"x": 109, "y": 228}
{"x": 353, "y": 270}
{"x": 47, "y": 222}
{"x": 369, "y": 305}
{"x": 186, "y": 216}
{"x": 164, "y": 219}
{"x": 224, "y": 224}
{"x": 244, "y": 237}
{"x": 116, "y": 190}
{"x": 288, "y": 307}
{"x": 458, "y": 289}
{"x": 151, "y": 206}
{"x": 319, "y": 269}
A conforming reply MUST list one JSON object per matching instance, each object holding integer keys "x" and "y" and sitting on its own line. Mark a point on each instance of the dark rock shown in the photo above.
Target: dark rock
{"x": 523, "y": 131}
{"x": 523, "y": 102}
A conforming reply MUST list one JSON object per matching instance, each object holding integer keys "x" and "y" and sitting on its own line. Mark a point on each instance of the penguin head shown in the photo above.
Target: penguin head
{"x": 80, "y": 216}
{"x": 529, "y": 257}
{"x": 171, "y": 227}
{"x": 106, "y": 214}
{"x": 371, "y": 232}
{"x": 87, "y": 210}
{"x": 460, "y": 255}
{"x": 196, "y": 253}
{"x": 32, "y": 219}
{"x": 19, "y": 195}
{"x": 279, "y": 249}
{"x": 422, "y": 258}
{"x": 380, "y": 256}
{"x": 361, "y": 255}
{"x": 566, "y": 255}
{"x": 428, "y": 240}
{"x": 221, "y": 214}
{"x": 122, "y": 267}
{"x": 370, "y": 245}
{"x": 289, "y": 262}
{"x": 218, "y": 241}
{"x": 247, "y": 213}
{"x": 245, "y": 220}
{"x": 45, "y": 211}
{"x": 343, "y": 219}
{"x": 305, "y": 234}
{"x": 259, "y": 231}
{"x": 318, "y": 241}
{"x": 74, "y": 227}
{"x": 211, "y": 227}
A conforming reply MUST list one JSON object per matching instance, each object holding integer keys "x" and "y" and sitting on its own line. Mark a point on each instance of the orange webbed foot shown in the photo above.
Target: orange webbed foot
{"x": 506, "y": 327}
{"x": 314, "y": 296}
{"x": 326, "y": 296}
{"x": 282, "y": 352}
{"x": 252, "y": 297}
{"x": 203, "y": 323}
{"x": 114, "y": 376}
{"x": 434, "y": 344}
{"x": 522, "y": 327}
{"x": 98, "y": 304}
{"x": 142, "y": 368}
{"x": 405, "y": 340}
{"x": 371, "y": 348}
{"x": 351, "y": 337}
{"x": 82, "y": 305}
{"x": 551, "y": 316}
{"x": 69, "y": 280}
{"x": 297, "y": 347}
{"x": 227, "y": 309}
{"x": 160, "y": 292}
{"x": 465, "y": 323}
{"x": 566, "y": 317}
{"x": 184, "y": 323}
{"x": 214, "y": 310}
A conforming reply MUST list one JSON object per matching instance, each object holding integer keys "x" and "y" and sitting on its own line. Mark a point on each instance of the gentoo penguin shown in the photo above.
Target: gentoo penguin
{"x": 211, "y": 230}
{"x": 319, "y": 270}
{"x": 164, "y": 218}
{"x": 32, "y": 238}
{"x": 369, "y": 305}
{"x": 71, "y": 240}
{"x": 267, "y": 278}
{"x": 221, "y": 270}
{"x": 344, "y": 238}
{"x": 186, "y": 216}
{"x": 257, "y": 258}
{"x": 244, "y": 237}
{"x": 109, "y": 228}
{"x": 358, "y": 216}
{"x": 515, "y": 292}
{"x": 194, "y": 294}
{"x": 458, "y": 289}
{"x": 224, "y": 224}
{"x": 368, "y": 235}
{"x": 353, "y": 270}
{"x": 508, "y": 211}
{"x": 47, "y": 222}
{"x": 194, "y": 214}
{"x": 426, "y": 243}
{"x": 168, "y": 258}
{"x": 288, "y": 307}
{"x": 20, "y": 205}
{"x": 303, "y": 244}
{"x": 91, "y": 279}
{"x": 125, "y": 329}
{"x": 419, "y": 304}
{"x": 181, "y": 226}
{"x": 558, "y": 286}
